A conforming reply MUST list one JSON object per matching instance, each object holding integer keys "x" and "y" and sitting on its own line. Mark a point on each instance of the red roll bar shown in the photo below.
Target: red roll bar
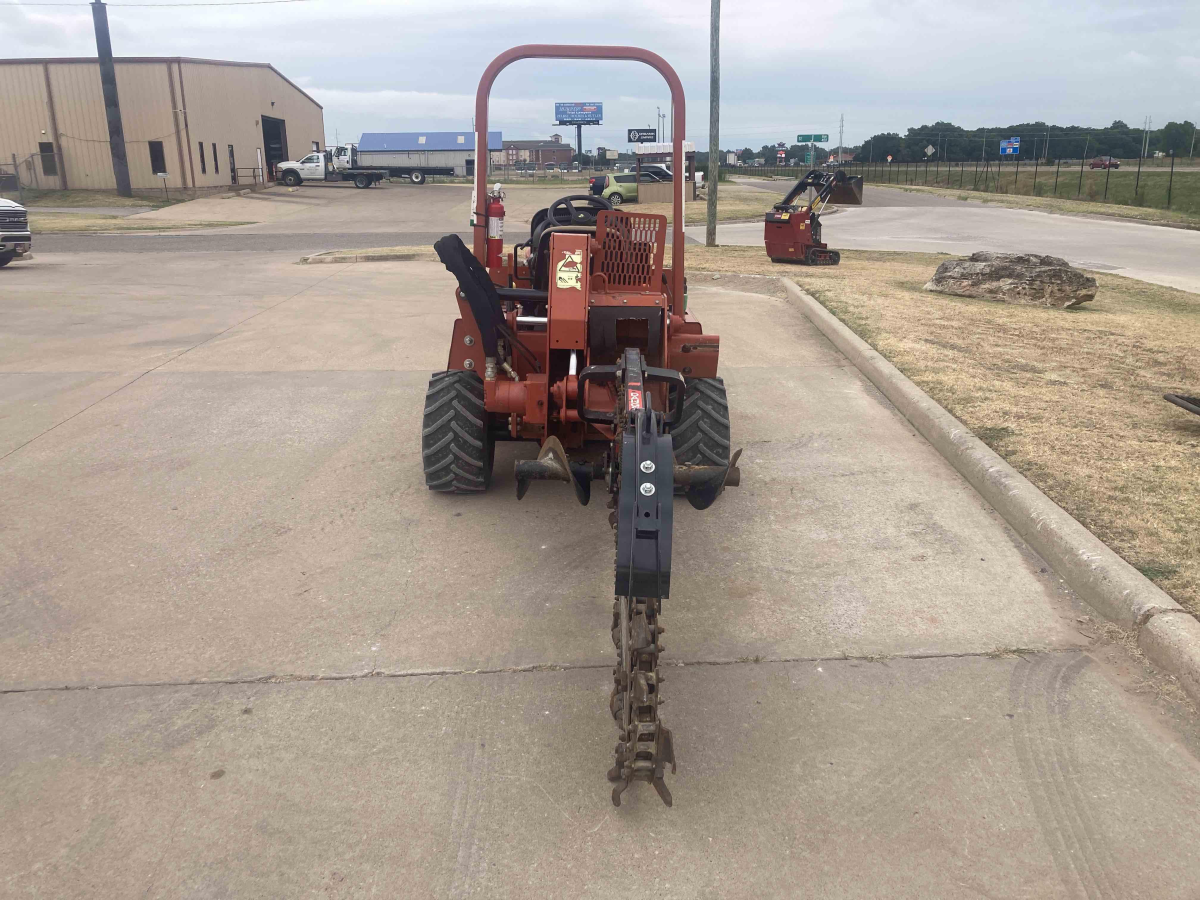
{"x": 583, "y": 51}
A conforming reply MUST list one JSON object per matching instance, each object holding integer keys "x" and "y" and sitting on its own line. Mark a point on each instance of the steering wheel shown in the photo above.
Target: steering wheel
{"x": 563, "y": 212}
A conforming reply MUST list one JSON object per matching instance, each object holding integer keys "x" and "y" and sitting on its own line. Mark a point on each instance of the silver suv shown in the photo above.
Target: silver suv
{"x": 15, "y": 239}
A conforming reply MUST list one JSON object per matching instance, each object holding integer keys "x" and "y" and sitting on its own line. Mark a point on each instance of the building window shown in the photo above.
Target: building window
{"x": 49, "y": 163}
{"x": 203, "y": 166}
{"x": 421, "y": 139}
{"x": 158, "y": 161}
{"x": 316, "y": 147}
{"x": 216, "y": 165}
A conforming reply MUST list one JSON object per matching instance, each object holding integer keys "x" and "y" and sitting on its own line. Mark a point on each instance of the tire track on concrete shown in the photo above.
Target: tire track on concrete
{"x": 1039, "y": 692}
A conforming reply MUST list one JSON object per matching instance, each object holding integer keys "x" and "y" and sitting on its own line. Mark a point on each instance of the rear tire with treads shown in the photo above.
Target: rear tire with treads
{"x": 702, "y": 436}
{"x": 456, "y": 448}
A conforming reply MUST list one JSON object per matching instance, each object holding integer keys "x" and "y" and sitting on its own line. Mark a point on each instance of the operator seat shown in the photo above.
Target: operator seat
{"x": 539, "y": 259}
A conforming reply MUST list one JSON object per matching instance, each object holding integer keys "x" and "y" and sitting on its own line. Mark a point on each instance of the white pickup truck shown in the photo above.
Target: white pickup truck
{"x": 15, "y": 238}
{"x": 318, "y": 166}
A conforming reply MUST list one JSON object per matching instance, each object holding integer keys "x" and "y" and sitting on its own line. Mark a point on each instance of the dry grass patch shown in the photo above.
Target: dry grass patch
{"x": 34, "y": 198}
{"x": 734, "y": 204}
{"x": 61, "y": 223}
{"x": 1071, "y": 398}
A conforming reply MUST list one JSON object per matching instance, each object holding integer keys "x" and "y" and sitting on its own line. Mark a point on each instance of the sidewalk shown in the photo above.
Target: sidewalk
{"x": 876, "y": 689}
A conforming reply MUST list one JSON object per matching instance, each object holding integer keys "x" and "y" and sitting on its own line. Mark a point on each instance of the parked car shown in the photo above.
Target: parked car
{"x": 1104, "y": 162}
{"x": 15, "y": 238}
{"x": 623, "y": 188}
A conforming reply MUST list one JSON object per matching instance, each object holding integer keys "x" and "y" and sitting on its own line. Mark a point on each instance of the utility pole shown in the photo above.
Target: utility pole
{"x": 112, "y": 104}
{"x": 714, "y": 122}
{"x": 841, "y": 131}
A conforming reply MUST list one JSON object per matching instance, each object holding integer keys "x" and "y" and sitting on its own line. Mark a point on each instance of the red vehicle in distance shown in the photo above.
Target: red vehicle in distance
{"x": 1104, "y": 162}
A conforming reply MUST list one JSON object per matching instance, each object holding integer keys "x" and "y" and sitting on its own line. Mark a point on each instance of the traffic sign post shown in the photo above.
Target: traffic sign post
{"x": 812, "y": 140}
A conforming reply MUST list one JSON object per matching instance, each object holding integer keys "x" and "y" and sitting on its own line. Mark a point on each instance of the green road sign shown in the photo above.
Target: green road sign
{"x": 812, "y": 138}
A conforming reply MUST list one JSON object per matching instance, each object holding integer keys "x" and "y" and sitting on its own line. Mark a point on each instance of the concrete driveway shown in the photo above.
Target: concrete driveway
{"x": 891, "y": 219}
{"x": 244, "y": 652}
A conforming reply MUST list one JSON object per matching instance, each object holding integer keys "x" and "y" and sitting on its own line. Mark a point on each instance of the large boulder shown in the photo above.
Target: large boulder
{"x": 1025, "y": 278}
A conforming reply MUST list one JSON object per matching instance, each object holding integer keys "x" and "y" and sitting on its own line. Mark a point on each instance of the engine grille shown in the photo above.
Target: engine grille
{"x": 10, "y": 222}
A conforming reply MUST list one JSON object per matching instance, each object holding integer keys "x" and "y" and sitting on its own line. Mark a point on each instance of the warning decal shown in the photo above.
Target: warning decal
{"x": 569, "y": 271}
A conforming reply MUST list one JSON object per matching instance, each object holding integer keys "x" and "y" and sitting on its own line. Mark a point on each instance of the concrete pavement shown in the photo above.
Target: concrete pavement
{"x": 210, "y": 474}
{"x": 897, "y": 220}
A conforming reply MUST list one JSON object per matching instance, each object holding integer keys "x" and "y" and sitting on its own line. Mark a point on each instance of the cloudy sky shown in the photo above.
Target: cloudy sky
{"x": 787, "y": 66}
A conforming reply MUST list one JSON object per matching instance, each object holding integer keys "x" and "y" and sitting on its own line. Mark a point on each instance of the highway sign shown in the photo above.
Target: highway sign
{"x": 1011, "y": 147}
{"x": 812, "y": 138}
{"x": 578, "y": 113}
{"x": 642, "y": 135}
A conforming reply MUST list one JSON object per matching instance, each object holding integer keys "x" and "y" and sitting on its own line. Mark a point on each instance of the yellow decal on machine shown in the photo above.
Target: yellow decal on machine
{"x": 569, "y": 271}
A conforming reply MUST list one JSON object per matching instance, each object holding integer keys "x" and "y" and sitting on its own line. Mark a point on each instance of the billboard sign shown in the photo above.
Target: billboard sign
{"x": 610, "y": 154}
{"x": 578, "y": 113}
{"x": 642, "y": 136}
{"x": 1011, "y": 147}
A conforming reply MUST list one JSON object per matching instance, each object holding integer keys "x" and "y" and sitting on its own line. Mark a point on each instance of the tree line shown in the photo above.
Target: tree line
{"x": 947, "y": 141}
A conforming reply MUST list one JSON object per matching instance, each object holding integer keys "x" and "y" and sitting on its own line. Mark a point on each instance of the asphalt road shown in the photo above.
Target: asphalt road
{"x": 245, "y": 653}
{"x": 891, "y": 219}
{"x": 291, "y": 243}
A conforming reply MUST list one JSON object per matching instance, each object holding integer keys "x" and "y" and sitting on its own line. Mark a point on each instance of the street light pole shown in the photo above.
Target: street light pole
{"x": 714, "y": 122}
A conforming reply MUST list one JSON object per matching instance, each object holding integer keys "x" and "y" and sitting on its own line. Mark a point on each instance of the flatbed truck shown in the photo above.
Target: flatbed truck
{"x": 342, "y": 164}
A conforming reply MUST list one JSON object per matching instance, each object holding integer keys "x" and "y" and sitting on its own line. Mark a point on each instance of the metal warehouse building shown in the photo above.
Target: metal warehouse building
{"x": 204, "y": 123}
{"x": 440, "y": 149}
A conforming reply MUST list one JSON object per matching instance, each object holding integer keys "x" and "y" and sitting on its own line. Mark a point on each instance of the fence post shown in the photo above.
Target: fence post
{"x": 1171, "y": 179}
{"x": 1017, "y": 177}
{"x": 1057, "y": 168}
{"x": 17, "y": 175}
{"x": 1107, "y": 175}
{"x": 1033, "y": 190}
{"x": 1138, "y": 180}
{"x": 1079, "y": 190}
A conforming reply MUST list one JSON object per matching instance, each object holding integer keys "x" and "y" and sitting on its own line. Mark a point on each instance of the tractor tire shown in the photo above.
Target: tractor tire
{"x": 417, "y": 177}
{"x": 456, "y": 449}
{"x": 702, "y": 436}
{"x": 362, "y": 181}
{"x": 292, "y": 179}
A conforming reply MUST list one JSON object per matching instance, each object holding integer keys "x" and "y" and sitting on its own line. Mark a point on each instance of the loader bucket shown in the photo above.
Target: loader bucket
{"x": 848, "y": 192}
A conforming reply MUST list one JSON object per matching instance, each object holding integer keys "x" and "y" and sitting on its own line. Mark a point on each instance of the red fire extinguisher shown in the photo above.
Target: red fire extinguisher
{"x": 495, "y": 228}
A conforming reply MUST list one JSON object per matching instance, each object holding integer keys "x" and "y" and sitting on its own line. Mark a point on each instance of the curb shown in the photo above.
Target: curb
{"x": 1167, "y": 633}
{"x": 335, "y": 256}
